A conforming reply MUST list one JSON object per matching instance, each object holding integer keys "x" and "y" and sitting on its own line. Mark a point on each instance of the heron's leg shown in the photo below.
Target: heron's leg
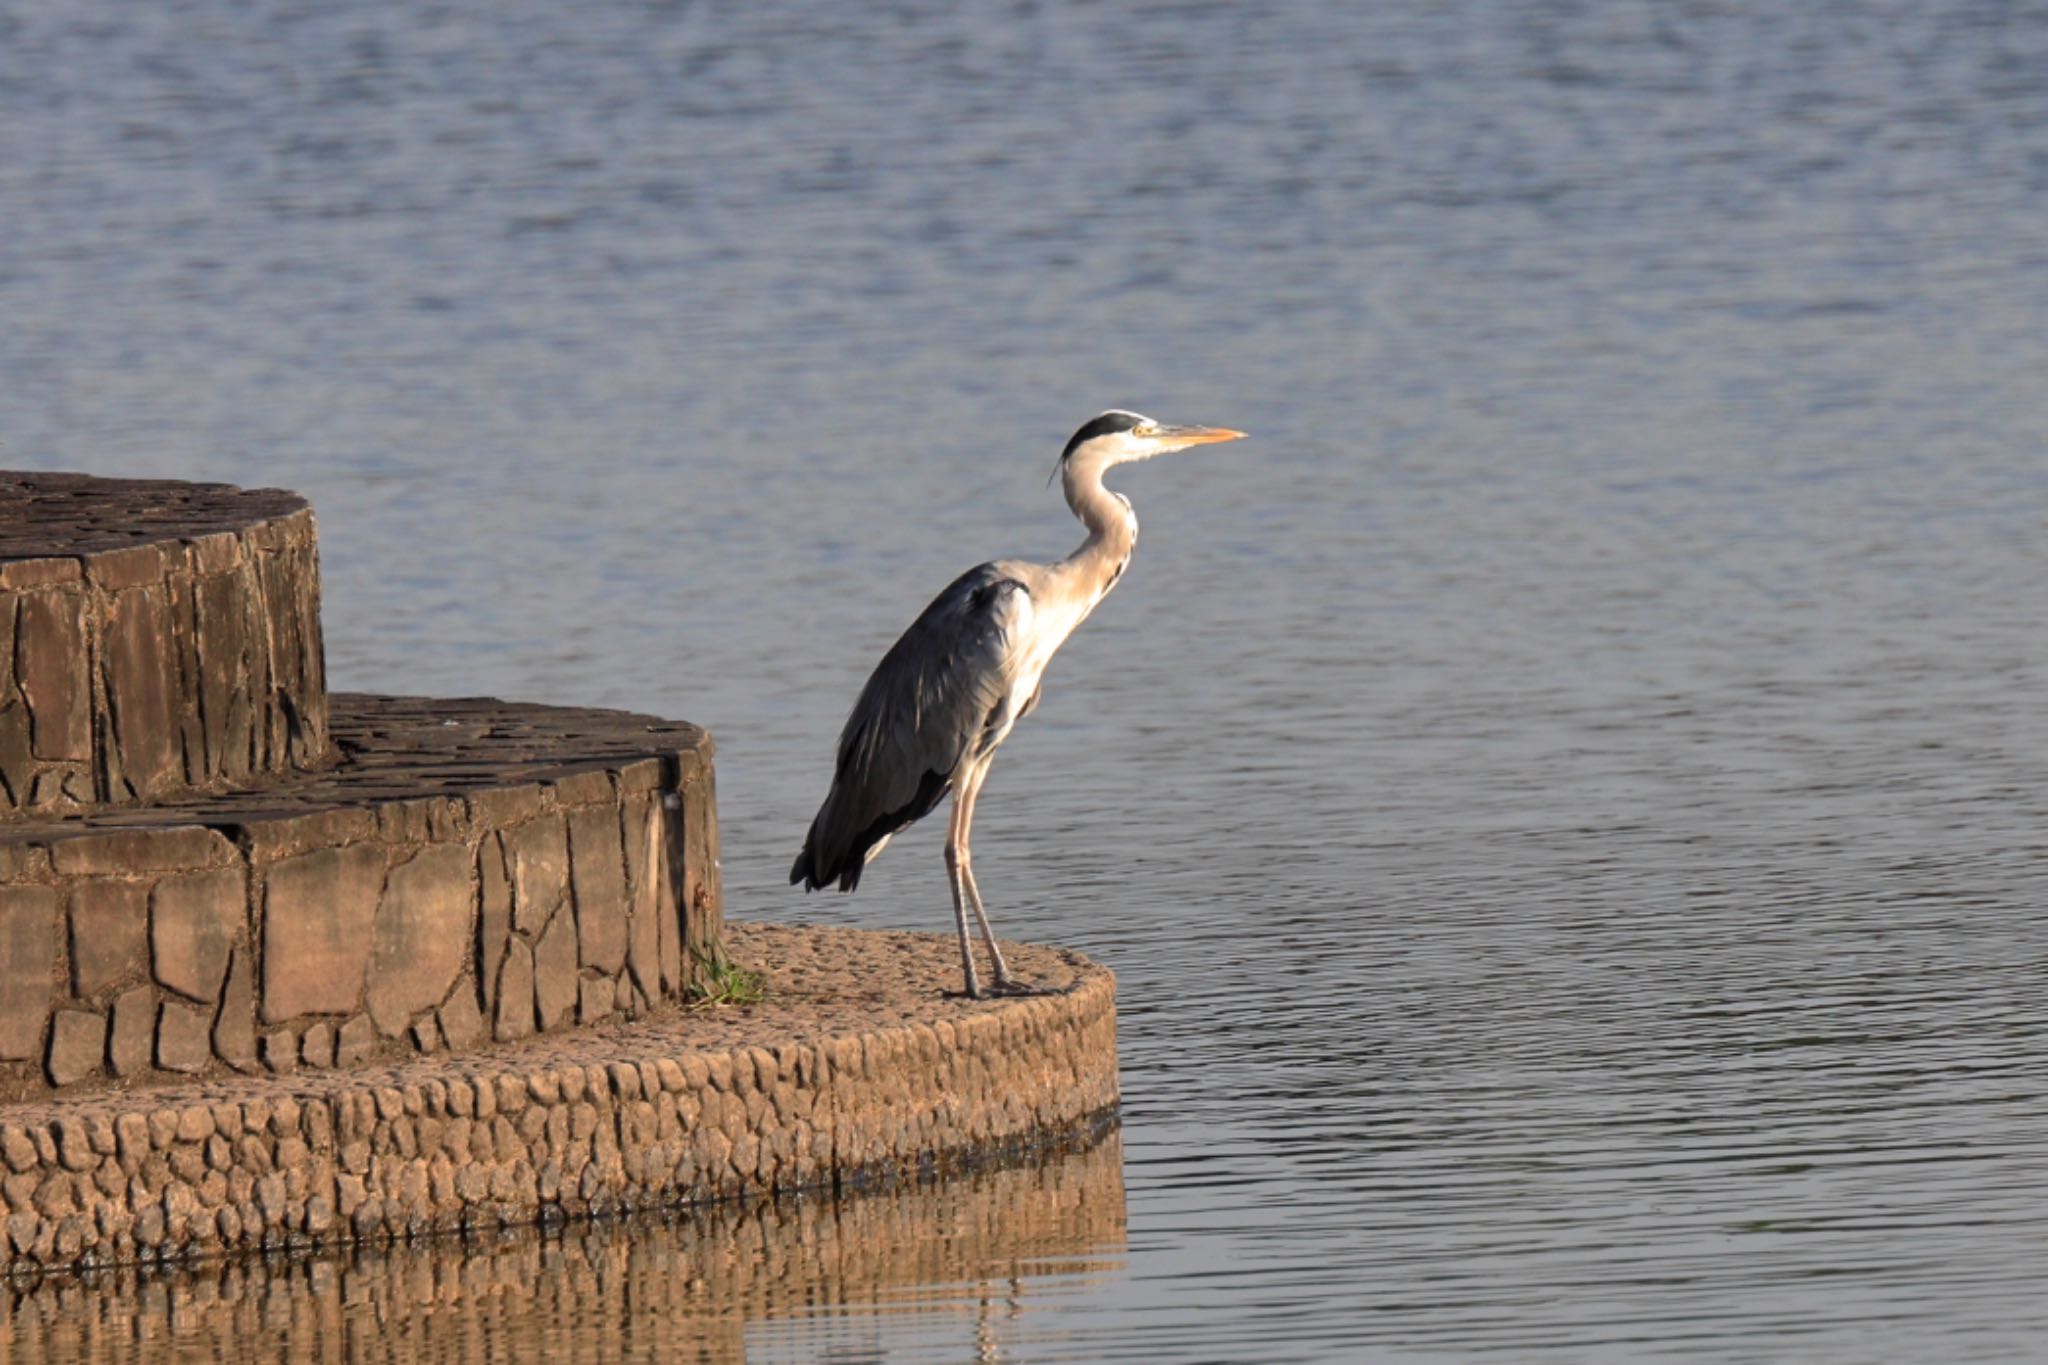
{"x": 1005, "y": 984}
{"x": 958, "y": 877}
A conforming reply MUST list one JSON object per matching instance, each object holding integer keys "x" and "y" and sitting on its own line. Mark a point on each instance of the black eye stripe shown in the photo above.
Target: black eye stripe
{"x": 1107, "y": 423}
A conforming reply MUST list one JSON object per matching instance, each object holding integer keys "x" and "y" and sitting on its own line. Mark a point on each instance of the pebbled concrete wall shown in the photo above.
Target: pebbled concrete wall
{"x": 682, "y": 1288}
{"x": 809, "y": 1092}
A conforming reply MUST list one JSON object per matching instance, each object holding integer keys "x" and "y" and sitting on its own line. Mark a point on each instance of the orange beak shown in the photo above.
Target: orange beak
{"x": 1197, "y": 436}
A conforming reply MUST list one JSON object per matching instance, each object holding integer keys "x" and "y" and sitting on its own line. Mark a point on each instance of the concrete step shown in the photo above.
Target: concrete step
{"x": 464, "y": 871}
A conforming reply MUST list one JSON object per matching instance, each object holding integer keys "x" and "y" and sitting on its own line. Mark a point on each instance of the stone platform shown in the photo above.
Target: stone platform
{"x": 461, "y": 870}
{"x": 856, "y": 1066}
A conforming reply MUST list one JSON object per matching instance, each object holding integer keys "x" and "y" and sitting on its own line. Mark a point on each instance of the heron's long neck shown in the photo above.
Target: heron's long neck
{"x": 1090, "y": 571}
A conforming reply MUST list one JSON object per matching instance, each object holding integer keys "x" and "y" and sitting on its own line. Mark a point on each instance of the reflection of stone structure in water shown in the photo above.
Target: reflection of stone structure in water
{"x": 678, "y": 1287}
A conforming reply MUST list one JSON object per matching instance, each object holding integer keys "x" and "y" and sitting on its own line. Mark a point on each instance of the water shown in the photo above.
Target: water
{"x": 1565, "y": 802}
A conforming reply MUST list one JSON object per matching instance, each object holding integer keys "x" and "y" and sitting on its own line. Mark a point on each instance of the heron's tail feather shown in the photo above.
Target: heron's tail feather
{"x": 843, "y": 839}
{"x": 806, "y": 871}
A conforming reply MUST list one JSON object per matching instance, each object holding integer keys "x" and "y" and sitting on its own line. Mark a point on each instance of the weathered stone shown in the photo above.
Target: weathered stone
{"x": 276, "y": 837}
{"x": 17, "y": 760}
{"x": 422, "y": 935}
{"x": 131, "y": 1132}
{"x": 193, "y": 922}
{"x": 426, "y": 1034}
{"x": 591, "y": 787}
{"x": 354, "y": 1041}
{"x": 109, "y": 933}
{"x": 181, "y": 1043}
{"x": 19, "y": 575}
{"x": 319, "y": 909}
{"x": 643, "y": 925}
{"x": 668, "y": 908}
{"x": 703, "y": 896}
{"x": 133, "y": 1036}
{"x": 403, "y": 822}
{"x": 50, "y": 668}
{"x": 196, "y": 1123}
{"x": 18, "y": 1149}
{"x": 280, "y": 1051}
{"x": 28, "y": 968}
{"x": 494, "y": 920}
{"x": 598, "y": 882}
{"x": 78, "y": 1040}
{"x": 23, "y": 863}
{"x": 188, "y": 719}
{"x": 127, "y": 567}
{"x": 462, "y": 1024}
{"x": 554, "y": 972}
{"x": 133, "y": 852}
{"x": 515, "y": 994}
{"x": 234, "y": 1027}
{"x": 316, "y": 1044}
{"x": 138, "y": 691}
{"x": 502, "y": 807}
{"x": 225, "y": 704}
{"x": 594, "y": 1000}
{"x": 537, "y": 853}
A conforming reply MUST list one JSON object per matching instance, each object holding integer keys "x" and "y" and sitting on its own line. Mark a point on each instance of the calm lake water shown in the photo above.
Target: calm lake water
{"x": 1567, "y": 802}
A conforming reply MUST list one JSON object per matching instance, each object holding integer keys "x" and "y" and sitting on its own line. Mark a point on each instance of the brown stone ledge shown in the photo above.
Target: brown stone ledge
{"x": 467, "y": 869}
{"x": 156, "y": 639}
{"x": 856, "y": 1066}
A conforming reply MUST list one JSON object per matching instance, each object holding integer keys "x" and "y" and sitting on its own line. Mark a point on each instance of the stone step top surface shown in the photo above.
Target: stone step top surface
{"x": 78, "y": 516}
{"x": 390, "y": 748}
{"x": 402, "y": 747}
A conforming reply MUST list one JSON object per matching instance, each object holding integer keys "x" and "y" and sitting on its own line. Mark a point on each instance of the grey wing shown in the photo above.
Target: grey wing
{"x": 928, "y": 707}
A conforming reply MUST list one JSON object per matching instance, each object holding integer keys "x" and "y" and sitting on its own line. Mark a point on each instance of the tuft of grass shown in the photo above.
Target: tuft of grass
{"x": 724, "y": 982}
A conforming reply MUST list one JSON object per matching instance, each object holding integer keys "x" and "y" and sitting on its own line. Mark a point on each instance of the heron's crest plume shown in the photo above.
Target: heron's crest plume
{"x": 1106, "y": 424}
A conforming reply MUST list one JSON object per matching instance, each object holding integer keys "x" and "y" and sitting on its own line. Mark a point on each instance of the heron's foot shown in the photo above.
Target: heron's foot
{"x": 1006, "y": 989}
{"x": 1010, "y": 986}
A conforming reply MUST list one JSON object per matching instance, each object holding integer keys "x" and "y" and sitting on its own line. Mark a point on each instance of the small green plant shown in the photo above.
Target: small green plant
{"x": 721, "y": 981}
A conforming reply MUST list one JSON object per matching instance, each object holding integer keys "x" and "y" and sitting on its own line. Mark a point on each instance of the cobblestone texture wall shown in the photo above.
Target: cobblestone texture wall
{"x": 467, "y": 872}
{"x": 675, "y": 1289}
{"x": 773, "y": 1099}
{"x": 155, "y": 639}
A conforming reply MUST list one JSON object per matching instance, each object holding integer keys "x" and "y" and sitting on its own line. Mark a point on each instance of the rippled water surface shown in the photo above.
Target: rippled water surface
{"x": 1567, "y": 803}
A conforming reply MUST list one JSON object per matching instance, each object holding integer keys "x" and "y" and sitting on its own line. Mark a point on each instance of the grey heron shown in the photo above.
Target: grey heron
{"x": 967, "y": 670}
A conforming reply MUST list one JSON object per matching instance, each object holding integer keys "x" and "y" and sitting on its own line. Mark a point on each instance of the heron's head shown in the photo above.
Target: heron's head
{"x": 1118, "y": 437}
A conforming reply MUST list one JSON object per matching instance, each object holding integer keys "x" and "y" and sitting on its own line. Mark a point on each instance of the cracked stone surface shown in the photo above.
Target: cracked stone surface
{"x": 160, "y": 639}
{"x": 377, "y": 889}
